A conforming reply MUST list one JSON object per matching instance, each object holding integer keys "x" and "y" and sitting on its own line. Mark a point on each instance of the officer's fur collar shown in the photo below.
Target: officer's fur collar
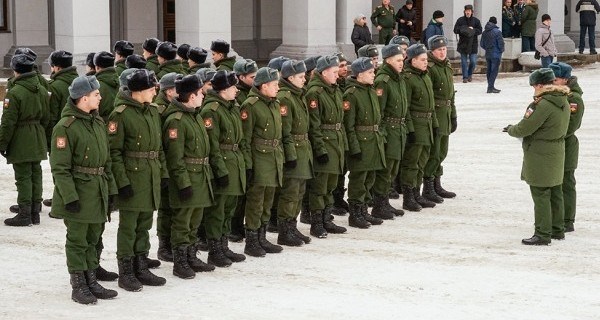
{"x": 552, "y": 88}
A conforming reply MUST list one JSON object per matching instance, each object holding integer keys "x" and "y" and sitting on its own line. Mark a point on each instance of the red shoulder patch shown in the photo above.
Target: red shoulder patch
{"x": 208, "y": 124}
{"x": 573, "y": 107}
{"x": 380, "y": 91}
{"x": 313, "y": 104}
{"x": 112, "y": 127}
{"x": 173, "y": 133}
{"x": 283, "y": 110}
{"x": 61, "y": 142}
{"x": 346, "y": 105}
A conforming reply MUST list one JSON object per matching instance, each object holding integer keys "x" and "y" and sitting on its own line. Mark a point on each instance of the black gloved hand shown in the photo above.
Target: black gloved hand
{"x": 453, "y": 125}
{"x": 223, "y": 181}
{"x": 323, "y": 159}
{"x": 186, "y": 193}
{"x": 126, "y": 192}
{"x": 290, "y": 164}
{"x": 164, "y": 183}
{"x": 505, "y": 129}
{"x": 436, "y": 132}
{"x": 73, "y": 207}
{"x": 412, "y": 137}
{"x": 112, "y": 204}
{"x": 3, "y": 153}
{"x": 356, "y": 156}
{"x": 249, "y": 175}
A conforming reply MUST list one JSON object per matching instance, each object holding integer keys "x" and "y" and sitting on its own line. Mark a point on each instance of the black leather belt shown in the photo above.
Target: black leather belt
{"x": 142, "y": 154}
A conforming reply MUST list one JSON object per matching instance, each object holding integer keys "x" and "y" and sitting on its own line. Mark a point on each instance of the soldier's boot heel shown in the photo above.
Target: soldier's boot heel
{"x": 264, "y": 242}
{"x": 437, "y": 184}
{"x": 316, "y": 224}
{"x": 22, "y": 219}
{"x": 380, "y": 210}
{"x": 293, "y": 224}
{"x": 216, "y": 256}
{"x": 195, "y": 263}
{"x": 421, "y": 200}
{"x": 328, "y": 224}
{"x": 234, "y": 257}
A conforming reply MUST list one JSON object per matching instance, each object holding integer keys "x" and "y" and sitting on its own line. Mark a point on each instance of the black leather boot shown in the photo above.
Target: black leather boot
{"x": 181, "y": 268}
{"x": 356, "y": 219}
{"x": 47, "y": 202}
{"x": 196, "y": 264}
{"x": 81, "y": 292}
{"x": 164, "y": 253}
{"x": 95, "y": 288}
{"x": 340, "y": 206}
{"x": 22, "y": 219}
{"x": 370, "y": 219}
{"x": 408, "y": 200}
{"x": 14, "y": 208}
{"x": 429, "y": 192}
{"x": 316, "y": 224}
{"x": 293, "y": 224}
{"x": 265, "y": 244}
{"x": 535, "y": 241}
{"x": 421, "y": 200}
{"x": 252, "y": 247}
{"x": 272, "y": 226}
{"x": 152, "y": 263}
{"x": 437, "y": 184}
{"x": 234, "y": 257}
{"x": 144, "y": 275}
{"x": 328, "y": 224}
{"x": 394, "y": 211}
{"x": 127, "y": 279}
{"x": 216, "y": 256}
{"x": 103, "y": 274}
{"x": 286, "y": 236}
{"x": 36, "y": 208}
{"x": 380, "y": 210}
{"x": 305, "y": 210}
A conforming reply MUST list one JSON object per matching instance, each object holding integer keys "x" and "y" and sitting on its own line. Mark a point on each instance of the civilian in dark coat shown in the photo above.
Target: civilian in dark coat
{"x": 406, "y": 18}
{"x": 587, "y": 21}
{"x": 508, "y": 19}
{"x": 434, "y": 27}
{"x": 361, "y": 35}
{"x": 468, "y": 28}
{"x": 493, "y": 43}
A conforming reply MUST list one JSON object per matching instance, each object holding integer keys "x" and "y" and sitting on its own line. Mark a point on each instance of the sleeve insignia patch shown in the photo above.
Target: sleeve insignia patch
{"x": 379, "y": 92}
{"x": 61, "y": 142}
{"x": 529, "y": 112}
{"x": 208, "y": 123}
{"x": 173, "y": 134}
{"x": 6, "y": 103}
{"x": 283, "y": 110}
{"x": 244, "y": 115}
{"x": 112, "y": 127}
{"x": 313, "y": 104}
{"x": 573, "y": 107}
{"x": 346, "y": 105}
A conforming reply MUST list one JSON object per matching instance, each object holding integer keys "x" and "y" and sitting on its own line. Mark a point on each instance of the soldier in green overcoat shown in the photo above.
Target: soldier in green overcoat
{"x": 221, "y": 115}
{"x": 197, "y": 59}
{"x": 220, "y": 50}
{"x": 33, "y": 56}
{"x": 139, "y": 169}
{"x": 182, "y": 55}
{"x": 63, "y": 74}
{"x": 187, "y": 149}
{"x": 562, "y": 72}
{"x": 83, "y": 183}
{"x": 395, "y": 121}
{"x": 149, "y": 53}
{"x": 440, "y": 72}
{"x": 340, "y": 206}
{"x": 383, "y": 18}
{"x": 245, "y": 70}
{"x": 167, "y": 59}
{"x": 23, "y": 137}
{"x": 420, "y": 97}
{"x": 122, "y": 50}
{"x": 366, "y": 153}
{"x": 543, "y": 130}
{"x": 109, "y": 82}
{"x": 90, "y": 68}
{"x": 328, "y": 140}
{"x": 263, "y": 154}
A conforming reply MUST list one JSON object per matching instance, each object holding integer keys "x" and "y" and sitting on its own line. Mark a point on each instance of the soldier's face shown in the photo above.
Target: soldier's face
{"x": 217, "y": 56}
{"x": 248, "y": 78}
{"x": 298, "y": 80}
{"x": 508, "y": 3}
{"x": 330, "y": 75}
{"x": 420, "y": 62}
{"x": 396, "y": 62}
{"x": 146, "y": 54}
{"x": 93, "y": 100}
{"x": 270, "y": 89}
{"x": 440, "y": 53}
{"x": 367, "y": 77}
{"x": 207, "y": 86}
{"x": 385, "y": 2}
{"x": 146, "y": 96}
{"x": 229, "y": 94}
{"x": 343, "y": 71}
{"x": 198, "y": 97}
{"x": 375, "y": 61}
{"x": 560, "y": 81}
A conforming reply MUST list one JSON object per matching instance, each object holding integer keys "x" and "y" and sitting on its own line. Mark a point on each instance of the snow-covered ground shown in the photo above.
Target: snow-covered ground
{"x": 460, "y": 260}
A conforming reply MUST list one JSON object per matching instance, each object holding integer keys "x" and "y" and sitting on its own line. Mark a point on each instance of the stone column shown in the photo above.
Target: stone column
{"x": 556, "y": 10}
{"x": 346, "y": 11}
{"x": 199, "y": 22}
{"x": 308, "y": 29}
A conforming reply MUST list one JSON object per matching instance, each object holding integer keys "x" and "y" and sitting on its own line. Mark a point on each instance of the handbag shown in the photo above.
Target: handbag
{"x": 537, "y": 54}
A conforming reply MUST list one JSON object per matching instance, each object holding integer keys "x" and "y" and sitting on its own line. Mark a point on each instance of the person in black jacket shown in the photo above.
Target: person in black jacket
{"x": 587, "y": 21}
{"x": 468, "y": 28}
{"x": 406, "y": 18}
{"x": 360, "y": 34}
{"x": 508, "y": 19}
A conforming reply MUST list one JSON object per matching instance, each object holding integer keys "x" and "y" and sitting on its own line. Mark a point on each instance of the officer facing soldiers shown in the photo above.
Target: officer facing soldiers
{"x": 383, "y": 19}
{"x": 23, "y": 139}
{"x": 419, "y": 93}
{"x": 395, "y": 120}
{"x": 220, "y": 49}
{"x": 370, "y": 51}
{"x": 187, "y": 149}
{"x": 366, "y": 153}
{"x": 221, "y": 115}
{"x": 543, "y": 129}
{"x": 139, "y": 168}
{"x": 440, "y": 72}
{"x": 298, "y": 155}
{"x": 149, "y": 54}
{"x": 197, "y": 59}
{"x": 109, "y": 83}
{"x": 122, "y": 49}
{"x": 135, "y": 61}
{"x": 245, "y": 69}
{"x": 166, "y": 53}
{"x": 562, "y": 72}
{"x": 328, "y": 141}
{"x": 263, "y": 153}
{"x": 83, "y": 182}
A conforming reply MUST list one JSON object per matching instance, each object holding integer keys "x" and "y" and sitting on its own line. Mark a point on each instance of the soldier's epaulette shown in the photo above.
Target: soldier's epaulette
{"x": 285, "y": 94}
{"x": 214, "y": 106}
{"x": 351, "y": 90}
{"x": 430, "y": 64}
{"x": 178, "y": 115}
{"x": 252, "y": 100}
{"x": 69, "y": 122}
{"x": 121, "y": 108}
{"x": 385, "y": 78}
{"x": 161, "y": 108}
{"x": 320, "y": 90}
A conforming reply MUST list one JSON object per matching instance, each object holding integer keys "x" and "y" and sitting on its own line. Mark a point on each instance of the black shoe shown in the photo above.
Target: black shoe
{"x": 328, "y": 224}
{"x": 393, "y": 194}
{"x": 560, "y": 236}
{"x": 14, "y": 208}
{"x": 47, "y": 202}
{"x": 356, "y": 219}
{"x": 437, "y": 185}
{"x": 569, "y": 227}
{"x": 234, "y": 257}
{"x": 152, "y": 263}
{"x": 421, "y": 200}
{"x": 370, "y": 219}
{"x": 316, "y": 224}
{"x": 81, "y": 292}
{"x": 144, "y": 275}
{"x": 494, "y": 90}
{"x": 95, "y": 288}
{"x": 272, "y": 225}
{"x": 264, "y": 242}
{"x": 339, "y": 204}
{"x": 535, "y": 241}
{"x": 394, "y": 211}
{"x": 465, "y": 80}
{"x": 36, "y": 208}
{"x": 181, "y": 268}
{"x": 252, "y": 247}
{"x": 22, "y": 219}
{"x": 593, "y": 52}
{"x": 293, "y": 225}
{"x": 164, "y": 252}
{"x": 305, "y": 215}
{"x": 580, "y": 51}
{"x": 429, "y": 191}
{"x": 127, "y": 279}
{"x": 196, "y": 264}
{"x": 105, "y": 275}
{"x": 216, "y": 256}
{"x": 380, "y": 210}
{"x": 234, "y": 237}
{"x": 469, "y": 79}
{"x": 408, "y": 199}
{"x": 286, "y": 236}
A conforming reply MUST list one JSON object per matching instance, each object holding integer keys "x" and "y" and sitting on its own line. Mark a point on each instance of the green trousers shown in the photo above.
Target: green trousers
{"x": 237, "y": 221}
{"x": 359, "y": 185}
{"x": 184, "y": 227}
{"x": 28, "y": 176}
{"x": 383, "y": 177}
{"x": 259, "y": 200}
{"x": 163, "y": 219}
{"x": 100, "y": 244}
{"x": 549, "y": 211}
{"x": 320, "y": 189}
{"x": 413, "y": 163}
{"x": 217, "y": 219}
{"x": 290, "y": 198}
{"x": 569, "y": 197}
{"x": 385, "y": 35}
{"x": 133, "y": 237}
{"x": 80, "y": 246}
{"x": 439, "y": 151}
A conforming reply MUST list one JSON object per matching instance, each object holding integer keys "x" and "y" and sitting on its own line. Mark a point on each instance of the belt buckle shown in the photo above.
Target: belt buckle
{"x": 100, "y": 170}
{"x": 338, "y": 126}
{"x": 376, "y": 127}
{"x": 234, "y": 147}
{"x": 275, "y": 143}
{"x": 205, "y": 160}
{"x": 152, "y": 155}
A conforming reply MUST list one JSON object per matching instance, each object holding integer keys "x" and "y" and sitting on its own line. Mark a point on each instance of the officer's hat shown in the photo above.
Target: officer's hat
{"x": 220, "y": 46}
{"x": 27, "y": 51}
{"x": 436, "y": 42}
{"x": 361, "y": 65}
{"x": 141, "y": 79}
{"x": 265, "y": 75}
{"x": 292, "y": 67}
{"x": 104, "y": 59}
{"x": 61, "y": 58}
{"x": 541, "y": 76}
{"x": 245, "y": 66}
{"x": 135, "y": 61}
{"x": 327, "y": 62}
{"x": 187, "y": 84}
{"x": 391, "y": 50}
{"x": 224, "y": 79}
{"x": 166, "y": 50}
{"x": 197, "y": 54}
{"x": 83, "y": 85}
{"x": 150, "y": 44}
{"x": 22, "y": 63}
{"x": 415, "y": 50}
{"x": 124, "y": 48}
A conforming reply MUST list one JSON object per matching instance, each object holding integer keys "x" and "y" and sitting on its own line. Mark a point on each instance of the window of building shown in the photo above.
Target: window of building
{"x": 3, "y": 15}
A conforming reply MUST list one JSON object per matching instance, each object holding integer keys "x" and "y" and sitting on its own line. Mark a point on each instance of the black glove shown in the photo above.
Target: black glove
{"x": 290, "y": 164}
{"x": 223, "y": 181}
{"x": 112, "y": 203}
{"x": 249, "y": 174}
{"x": 356, "y": 156}
{"x": 73, "y": 207}
{"x": 3, "y": 153}
{"x": 126, "y": 192}
{"x": 164, "y": 183}
{"x": 436, "y": 132}
{"x": 453, "y": 125}
{"x": 323, "y": 159}
{"x": 412, "y": 138}
{"x": 505, "y": 129}
{"x": 185, "y": 193}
